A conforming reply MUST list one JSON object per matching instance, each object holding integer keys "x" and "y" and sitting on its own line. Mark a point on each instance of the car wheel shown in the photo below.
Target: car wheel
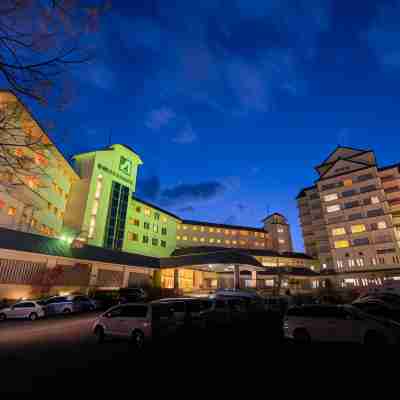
{"x": 137, "y": 339}
{"x": 99, "y": 333}
{"x": 301, "y": 336}
{"x": 373, "y": 337}
{"x": 3, "y": 317}
{"x": 33, "y": 316}
{"x": 66, "y": 311}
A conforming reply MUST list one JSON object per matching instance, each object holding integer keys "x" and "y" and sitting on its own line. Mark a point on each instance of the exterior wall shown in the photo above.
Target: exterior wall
{"x": 279, "y": 231}
{"x": 235, "y": 237}
{"x": 149, "y": 231}
{"x": 28, "y": 275}
{"x": 40, "y": 192}
{"x": 101, "y": 169}
{"x": 362, "y": 233}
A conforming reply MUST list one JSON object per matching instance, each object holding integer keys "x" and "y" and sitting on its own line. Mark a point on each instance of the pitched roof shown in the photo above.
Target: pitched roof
{"x": 347, "y": 159}
{"x": 271, "y": 215}
{"x": 302, "y": 192}
{"x": 342, "y": 147}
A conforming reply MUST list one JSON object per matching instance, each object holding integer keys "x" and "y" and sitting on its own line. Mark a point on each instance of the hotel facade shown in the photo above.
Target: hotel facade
{"x": 80, "y": 226}
{"x": 350, "y": 218}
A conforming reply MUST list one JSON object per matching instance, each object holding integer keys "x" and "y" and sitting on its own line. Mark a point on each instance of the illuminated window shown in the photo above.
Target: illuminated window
{"x": 256, "y": 234}
{"x": 178, "y": 227}
{"x": 195, "y": 228}
{"x": 242, "y": 242}
{"x": 262, "y": 244}
{"x": 281, "y": 241}
{"x": 218, "y": 230}
{"x": 212, "y": 240}
{"x": 351, "y": 263}
{"x": 218, "y": 240}
{"x": 375, "y": 200}
{"x": 164, "y": 219}
{"x": 256, "y": 243}
{"x": 195, "y": 239}
{"x": 95, "y": 207}
{"x": 2, "y": 204}
{"x": 244, "y": 233}
{"x": 358, "y": 228}
{"x": 338, "y": 231}
{"x": 178, "y": 238}
{"x": 202, "y": 239}
{"x": 234, "y": 242}
{"x": 233, "y": 233}
{"x": 280, "y": 230}
{"x": 33, "y": 182}
{"x": 360, "y": 262}
{"x": 98, "y": 186}
{"x": 340, "y": 244}
{"x": 155, "y": 228}
{"x": 334, "y": 208}
{"x": 19, "y": 152}
{"x": 211, "y": 230}
{"x": 202, "y": 229}
{"x": 133, "y": 236}
{"x": 138, "y": 209}
{"x": 184, "y": 238}
{"x": 227, "y": 242}
{"x": 331, "y": 197}
{"x": 382, "y": 225}
{"x": 11, "y": 211}
{"x": 136, "y": 222}
{"x": 147, "y": 211}
{"x": 347, "y": 182}
{"x": 262, "y": 235}
{"x": 184, "y": 227}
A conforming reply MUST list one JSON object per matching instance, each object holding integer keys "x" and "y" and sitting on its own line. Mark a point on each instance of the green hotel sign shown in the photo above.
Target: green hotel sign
{"x": 117, "y": 175}
{"x": 125, "y": 165}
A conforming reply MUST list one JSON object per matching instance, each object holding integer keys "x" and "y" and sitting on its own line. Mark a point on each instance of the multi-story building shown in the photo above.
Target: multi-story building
{"x": 85, "y": 223}
{"x": 35, "y": 178}
{"x": 351, "y": 216}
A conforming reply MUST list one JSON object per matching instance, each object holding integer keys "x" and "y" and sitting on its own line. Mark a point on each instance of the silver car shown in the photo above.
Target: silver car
{"x": 68, "y": 304}
{"x": 25, "y": 309}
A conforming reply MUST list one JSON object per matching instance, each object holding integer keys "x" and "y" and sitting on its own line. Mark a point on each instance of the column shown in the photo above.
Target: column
{"x": 236, "y": 277}
{"x": 157, "y": 278}
{"x": 176, "y": 278}
{"x": 125, "y": 279}
{"x": 254, "y": 278}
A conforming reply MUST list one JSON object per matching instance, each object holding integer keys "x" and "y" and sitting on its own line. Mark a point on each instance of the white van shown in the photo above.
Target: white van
{"x": 138, "y": 322}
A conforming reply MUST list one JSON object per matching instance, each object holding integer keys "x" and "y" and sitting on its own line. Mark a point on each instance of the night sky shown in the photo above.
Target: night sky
{"x": 231, "y": 103}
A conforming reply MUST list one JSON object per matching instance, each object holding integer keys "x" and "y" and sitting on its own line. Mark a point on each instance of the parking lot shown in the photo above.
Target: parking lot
{"x": 54, "y": 349}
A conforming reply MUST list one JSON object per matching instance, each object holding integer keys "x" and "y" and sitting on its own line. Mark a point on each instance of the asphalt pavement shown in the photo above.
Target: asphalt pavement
{"x": 61, "y": 352}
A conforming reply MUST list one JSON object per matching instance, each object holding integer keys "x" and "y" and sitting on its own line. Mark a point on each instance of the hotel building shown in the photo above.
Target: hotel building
{"x": 350, "y": 217}
{"x": 85, "y": 224}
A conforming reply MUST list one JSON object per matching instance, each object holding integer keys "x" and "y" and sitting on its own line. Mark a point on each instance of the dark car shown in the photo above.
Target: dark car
{"x": 68, "y": 304}
{"x": 131, "y": 295}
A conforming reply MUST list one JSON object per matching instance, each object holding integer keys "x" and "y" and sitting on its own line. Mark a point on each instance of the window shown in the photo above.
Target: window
{"x": 163, "y": 243}
{"x": 156, "y": 216}
{"x": 212, "y": 240}
{"x": 218, "y": 240}
{"x": 211, "y": 230}
{"x": 147, "y": 211}
{"x": 227, "y": 242}
{"x": 138, "y": 209}
{"x": 281, "y": 241}
{"x": 331, "y": 197}
{"x": 218, "y": 230}
{"x": 392, "y": 189}
{"x": 351, "y": 204}
{"x": 227, "y": 232}
{"x": 375, "y": 213}
{"x": 340, "y": 244}
{"x": 369, "y": 188}
{"x": 334, "y": 208}
{"x": 262, "y": 235}
{"x": 385, "y": 251}
{"x": 155, "y": 228}
{"x": 133, "y": 236}
{"x": 194, "y": 228}
{"x": 136, "y": 222}
{"x": 339, "y": 263}
{"x": 360, "y": 262}
{"x": 164, "y": 219}
{"x": 366, "y": 177}
{"x": 338, "y": 231}
{"x": 351, "y": 263}
{"x": 146, "y": 225}
{"x": 178, "y": 238}
{"x": 358, "y": 228}
{"x": 202, "y": 240}
{"x": 367, "y": 202}
{"x": 234, "y": 242}
{"x": 178, "y": 227}
{"x": 352, "y": 217}
{"x": 195, "y": 239}
{"x": 374, "y": 199}
{"x": 11, "y": 211}
{"x": 331, "y": 186}
{"x": 361, "y": 242}
{"x": 280, "y": 230}
{"x": 244, "y": 233}
{"x": 184, "y": 227}
{"x": 202, "y": 229}
{"x": 381, "y": 225}
{"x": 184, "y": 238}
{"x": 146, "y": 239}
{"x": 347, "y": 182}
{"x": 154, "y": 242}
{"x": 163, "y": 231}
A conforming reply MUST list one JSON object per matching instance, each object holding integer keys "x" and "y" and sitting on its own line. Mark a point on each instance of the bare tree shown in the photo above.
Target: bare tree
{"x": 41, "y": 39}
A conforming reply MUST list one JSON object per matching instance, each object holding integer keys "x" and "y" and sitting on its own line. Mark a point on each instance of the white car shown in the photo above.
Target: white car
{"x": 338, "y": 323}
{"x": 24, "y": 309}
{"x": 138, "y": 322}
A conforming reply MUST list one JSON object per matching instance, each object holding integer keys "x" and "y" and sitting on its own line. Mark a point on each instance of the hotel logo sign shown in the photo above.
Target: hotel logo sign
{"x": 125, "y": 165}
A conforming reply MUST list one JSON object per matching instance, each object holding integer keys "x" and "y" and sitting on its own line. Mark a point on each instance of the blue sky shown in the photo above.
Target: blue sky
{"x": 231, "y": 103}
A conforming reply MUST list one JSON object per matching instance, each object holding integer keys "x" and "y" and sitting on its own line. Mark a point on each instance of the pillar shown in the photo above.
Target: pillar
{"x": 236, "y": 277}
{"x": 254, "y": 278}
{"x": 176, "y": 278}
{"x": 125, "y": 279}
{"x": 157, "y": 278}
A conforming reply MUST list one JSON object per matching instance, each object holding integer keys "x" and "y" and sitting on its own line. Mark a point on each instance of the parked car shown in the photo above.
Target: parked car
{"x": 131, "y": 295}
{"x": 391, "y": 299}
{"x": 188, "y": 311}
{"x": 278, "y": 304}
{"x": 138, "y": 322}
{"x": 378, "y": 308}
{"x": 24, "y": 309}
{"x": 68, "y": 304}
{"x": 338, "y": 323}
